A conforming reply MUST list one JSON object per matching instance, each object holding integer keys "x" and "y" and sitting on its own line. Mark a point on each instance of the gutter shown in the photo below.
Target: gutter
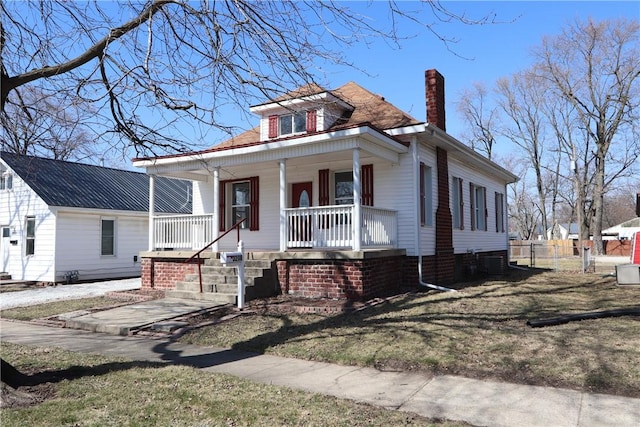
{"x": 416, "y": 174}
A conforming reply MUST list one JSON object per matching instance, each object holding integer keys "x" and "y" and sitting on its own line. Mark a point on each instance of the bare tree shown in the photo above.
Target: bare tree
{"x": 521, "y": 100}
{"x": 158, "y": 67}
{"x": 481, "y": 118}
{"x": 47, "y": 125}
{"x": 523, "y": 212}
{"x": 595, "y": 66}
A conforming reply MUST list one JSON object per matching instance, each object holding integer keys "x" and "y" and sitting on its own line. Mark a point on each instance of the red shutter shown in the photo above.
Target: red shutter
{"x": 311, "y": 121}
{"x": 497, "y": 205}
{"x": 323, "y": 187}
{"x": 486, "y": 210}
{"x": 221, "y": 205}
{"x": 460, "y": 185}
{"x": 423, "y": 213}
{"x": 366, "y": 183}
{"x": 254, "y": 206}
{"x": 273, "y": 126}
{"x": 472, "y": 196}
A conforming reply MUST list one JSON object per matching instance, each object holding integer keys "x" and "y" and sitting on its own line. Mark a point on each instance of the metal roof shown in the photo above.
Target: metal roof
{"x": 67, "y": 184}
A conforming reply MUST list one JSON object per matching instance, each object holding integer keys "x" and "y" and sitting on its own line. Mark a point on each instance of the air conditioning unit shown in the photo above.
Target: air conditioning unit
{"x": 628, "y": 274}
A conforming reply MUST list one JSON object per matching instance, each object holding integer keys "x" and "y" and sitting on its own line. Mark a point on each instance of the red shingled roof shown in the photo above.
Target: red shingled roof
{"x": 369, "y": 108}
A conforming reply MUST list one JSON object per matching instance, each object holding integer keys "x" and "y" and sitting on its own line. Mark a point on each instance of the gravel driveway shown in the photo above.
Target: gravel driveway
{"x": 62, "y": 292}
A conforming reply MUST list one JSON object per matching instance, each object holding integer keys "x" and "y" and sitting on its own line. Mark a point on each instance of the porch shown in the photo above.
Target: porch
{"x": 325, "y": 228}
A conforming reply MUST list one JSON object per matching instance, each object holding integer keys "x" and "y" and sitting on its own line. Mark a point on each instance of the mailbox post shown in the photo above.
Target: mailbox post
{"x": 236, "y": 259}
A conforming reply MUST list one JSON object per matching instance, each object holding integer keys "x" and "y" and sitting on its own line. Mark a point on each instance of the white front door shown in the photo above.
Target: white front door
{"x": 4, "y": 248}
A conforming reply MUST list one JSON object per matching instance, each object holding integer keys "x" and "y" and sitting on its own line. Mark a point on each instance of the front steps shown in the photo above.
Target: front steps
{"x": 220, "y": 283}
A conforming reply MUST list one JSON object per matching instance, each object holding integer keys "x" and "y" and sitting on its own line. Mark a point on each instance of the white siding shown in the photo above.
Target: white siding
{"x": 203, "y": 196}
{"x": 394, "y": 189}
{"x": 428, "y": 233}
{"x": 15, "y": 205}
{"x": 78, "y": 245}
{"x": 267, "y": 237}
{"x": 468, "y": 240}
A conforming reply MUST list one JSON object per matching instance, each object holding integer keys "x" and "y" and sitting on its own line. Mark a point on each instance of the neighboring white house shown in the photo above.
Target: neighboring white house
{"x": 339, "y": 175}
{"x": 61, "y": 220}
{"x": 623, "y": 231}
{"x": 562, "y": 232}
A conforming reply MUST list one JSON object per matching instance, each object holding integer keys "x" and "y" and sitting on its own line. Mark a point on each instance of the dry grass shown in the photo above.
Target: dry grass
{"x": 479, "y": 332}
{"x": 77, "y": 389}
{"x": 49, "y": 309}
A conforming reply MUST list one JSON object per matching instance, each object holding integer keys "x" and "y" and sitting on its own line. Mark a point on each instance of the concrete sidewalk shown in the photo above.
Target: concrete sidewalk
{"x": 482, "y": 403}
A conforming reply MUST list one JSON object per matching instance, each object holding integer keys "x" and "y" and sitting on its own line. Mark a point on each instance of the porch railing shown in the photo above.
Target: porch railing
{"x": 323, "y": 227}
{"x": 332, "y": 227}
{"x": 183, "y": 232}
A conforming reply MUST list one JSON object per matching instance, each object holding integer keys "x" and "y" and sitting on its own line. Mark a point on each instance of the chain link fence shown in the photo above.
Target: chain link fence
{"x": 559, "y": 255}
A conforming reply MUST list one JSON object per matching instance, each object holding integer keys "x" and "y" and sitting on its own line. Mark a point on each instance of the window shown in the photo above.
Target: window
{"x": 30, "y": 236}
{"x": 240, "y": 206}
{"x": 239, "y": 200}
{"x": 426, "y": 195}
{"x": 457, "y": 203}
{"x": 499, "y": 212}
{"x": 293, "y": 123}
{"x": 6, "y": 181}
{"x": 343, "y": 188}
{"x": 108, "y": 237}
{"x": 478, "y": 196}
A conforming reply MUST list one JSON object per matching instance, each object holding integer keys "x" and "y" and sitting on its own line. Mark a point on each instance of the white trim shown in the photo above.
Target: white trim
{"x": 216, "y": 206}
{"x": 357, "y": 203}
{"x": 322, "y": 97}
{"x": 283, "y": 204}
{"x": 362, "y": 137}
{"x": 152, "y": 209}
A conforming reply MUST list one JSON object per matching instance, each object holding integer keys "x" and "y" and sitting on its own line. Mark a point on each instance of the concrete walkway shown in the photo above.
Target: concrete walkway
{"x": 481, "y": 403}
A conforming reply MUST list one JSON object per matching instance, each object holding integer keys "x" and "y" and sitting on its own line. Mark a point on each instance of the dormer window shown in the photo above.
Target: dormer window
{"x": 292, "y": 123}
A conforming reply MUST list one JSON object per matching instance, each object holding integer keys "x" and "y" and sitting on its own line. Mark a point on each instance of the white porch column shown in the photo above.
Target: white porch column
{"x": 152, "y": 212}
{"x": 216, "y": 206}
{"x": 357, "y": 204}
{"x": 283, "y": 205}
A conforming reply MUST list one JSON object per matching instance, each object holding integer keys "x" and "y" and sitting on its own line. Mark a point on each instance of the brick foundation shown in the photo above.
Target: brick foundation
{"x": 355, "y": 279}
{"x": 164, "y": 273}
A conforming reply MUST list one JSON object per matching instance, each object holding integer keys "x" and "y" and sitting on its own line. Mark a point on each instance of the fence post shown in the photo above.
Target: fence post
{"x": 531, "y": 255}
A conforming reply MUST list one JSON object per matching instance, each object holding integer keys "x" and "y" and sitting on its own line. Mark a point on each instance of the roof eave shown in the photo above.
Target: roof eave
{"x": 366, "y": 131}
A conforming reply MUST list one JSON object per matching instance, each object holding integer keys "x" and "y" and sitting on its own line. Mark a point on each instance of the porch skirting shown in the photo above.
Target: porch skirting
{"x": 354, "y": 275}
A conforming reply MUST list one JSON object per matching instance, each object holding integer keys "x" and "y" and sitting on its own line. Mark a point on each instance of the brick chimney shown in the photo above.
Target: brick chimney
{"x": 434, "y": 85}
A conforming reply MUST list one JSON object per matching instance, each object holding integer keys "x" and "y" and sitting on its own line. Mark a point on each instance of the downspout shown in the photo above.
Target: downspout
{"x": 416, "y": 175}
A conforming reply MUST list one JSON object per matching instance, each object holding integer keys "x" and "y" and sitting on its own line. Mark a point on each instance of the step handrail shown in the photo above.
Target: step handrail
{"x": 197, "y": 254}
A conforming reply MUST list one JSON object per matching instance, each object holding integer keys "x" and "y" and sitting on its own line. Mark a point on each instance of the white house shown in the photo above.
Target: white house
{"x": 622, "y": 231}
{"x": 347, "y": 194}
{"x": 62, "y": 221}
